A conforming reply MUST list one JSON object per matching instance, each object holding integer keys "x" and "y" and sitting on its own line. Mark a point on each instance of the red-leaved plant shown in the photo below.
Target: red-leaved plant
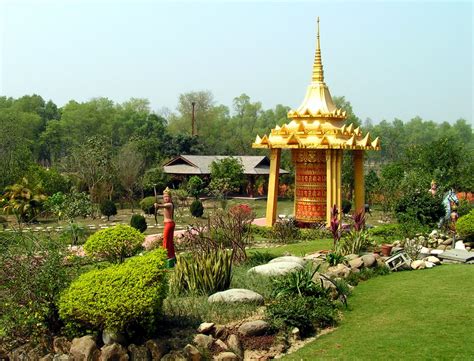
{"x": 335, "y": 225}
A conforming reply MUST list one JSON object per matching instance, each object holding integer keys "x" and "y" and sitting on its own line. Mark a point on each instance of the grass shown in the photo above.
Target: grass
{"x": 297, "y": 249}
{"x": 422, "y": 315}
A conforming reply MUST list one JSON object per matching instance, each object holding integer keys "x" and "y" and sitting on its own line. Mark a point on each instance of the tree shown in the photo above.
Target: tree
{"x": 227, "y": 175}
{"x": 129, "y": 165}
{"x": 195, "y": 186}
{"x": 91, "y": 164}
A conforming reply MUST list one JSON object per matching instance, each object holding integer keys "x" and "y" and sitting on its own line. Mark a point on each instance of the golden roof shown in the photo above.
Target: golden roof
{"x": 317, "y": 123}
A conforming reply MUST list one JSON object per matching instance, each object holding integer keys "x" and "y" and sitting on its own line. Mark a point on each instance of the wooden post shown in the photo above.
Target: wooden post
{"x": 272, "y": 195}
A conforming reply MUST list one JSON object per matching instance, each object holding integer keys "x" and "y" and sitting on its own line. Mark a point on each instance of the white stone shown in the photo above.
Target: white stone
{"x": 433, "y": 259}
{"x": 418, "y": 264}
{"x": 429, "y": 264}
{"x": 356, "y": 263}
{"x": 459, "y": 245}
{"x": 434, "y": 233}
{"x": 236, "y": 295}
{"x": 368, "y": 260}
{"x": 205, "y": 327}
{"x": 276, "y": 268}
{"x": 288, "y": 259}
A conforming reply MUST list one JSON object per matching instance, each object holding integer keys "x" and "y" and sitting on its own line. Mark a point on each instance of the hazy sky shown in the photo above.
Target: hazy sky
{"x": 389, "y": 59}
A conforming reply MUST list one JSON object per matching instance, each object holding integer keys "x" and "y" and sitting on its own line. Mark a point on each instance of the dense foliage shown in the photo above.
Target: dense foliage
{"x": 138, "y": 222}
{"x": 196, "y": 208}
{"x": 32, "y": 275}
{"x": 120, "y": 297}
{"x": 115, "y": 243}
{"x": 465, "y": 226}
{"x": 108, "y": 208}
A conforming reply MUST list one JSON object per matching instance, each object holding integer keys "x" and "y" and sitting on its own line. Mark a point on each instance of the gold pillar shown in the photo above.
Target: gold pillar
{"x": 272, "y": 195}
{"x": 333, "y": 182}
{"x": 359, "y": 186}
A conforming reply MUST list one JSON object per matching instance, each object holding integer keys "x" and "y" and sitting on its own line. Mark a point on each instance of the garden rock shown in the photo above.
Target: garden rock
{"x": 156, "y": 348}
{"x": 114, "y": 352}
{"x": 236, "y": 295}
{"x": 48, "y": 357}
{"x": 206, "y": 328}
{"x": 447, "y": 242}
{"x": 84, "y": 349}
{"x": 37, "y": 352}
{"x": 192, "y": 353}
{"x": 433, "y": 259}
{"x": 226, "y": 356}
{"x": 351, "y": 256}
{"x": 222, "y": 345}
{"x": 338, "y": 271}
{"x": 203, "y": 341}
{"x": 61, "y": 345}
{"x": 253, "y": 328}
{"x": 235, "y": 345}
{"x": 369, "y": 260}
{"x": 288, "y": 259}
{"x": 295, "y": 334}
{"x": 356, "y": 262}
{"x": 138, "y": 353}
{"x": 418, "y": 264}
{"x": 459, "y": 245}
{"x": 429, "y": 264}
{"x": 276, "y": 268}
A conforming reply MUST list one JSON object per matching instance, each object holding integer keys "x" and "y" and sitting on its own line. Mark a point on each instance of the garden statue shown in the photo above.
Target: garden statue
{"x": 434, "y": 188}
{"x": 450, "y": 202}
{"x": 168, "y": 220}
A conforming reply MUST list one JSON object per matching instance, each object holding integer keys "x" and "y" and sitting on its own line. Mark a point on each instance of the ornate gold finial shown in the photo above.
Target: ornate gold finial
{"x": 167, "y": 191}
{"x": 318, "y": 74}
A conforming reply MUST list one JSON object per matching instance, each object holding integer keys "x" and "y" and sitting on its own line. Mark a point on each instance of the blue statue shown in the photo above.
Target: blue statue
{"x": 449, "y": 200}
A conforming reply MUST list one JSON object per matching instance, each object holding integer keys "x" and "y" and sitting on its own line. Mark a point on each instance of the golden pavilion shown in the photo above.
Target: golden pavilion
{"x": 317, "y": 136}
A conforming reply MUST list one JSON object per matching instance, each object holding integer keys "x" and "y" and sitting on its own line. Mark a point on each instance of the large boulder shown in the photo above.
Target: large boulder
{"x": 84, "y": 349}
{"x": 418, "y": 264}
{"x": 369, "y": 260}
{"x": 203, "y": 341}
{"x": 276, "y": 268}
{"x": 254, "y": 328}
{"x": 338, "y": 271}
{"x": 289, "y": 259}
{"x": 356, "y": 262}
{"x": 157, "y": 349}
{"x": 114, "y": 352}
{"x": 236, "y": 295}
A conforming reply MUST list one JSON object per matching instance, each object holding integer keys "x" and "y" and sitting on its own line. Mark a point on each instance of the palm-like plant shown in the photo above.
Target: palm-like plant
{"x": 23, "y": 201}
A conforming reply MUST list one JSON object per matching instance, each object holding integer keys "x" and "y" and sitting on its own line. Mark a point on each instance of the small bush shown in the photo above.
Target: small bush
{"x": 108, "y": 208}
{"x": 147, "y": 205}
{"x": 354, "y": 242}
{"x": 465, "y": 226}
{"x": 318, "y": 231}
{"x": 196, "y": 208}
{"x": 261, "y": 231}
{"x": 386, "y": 232}
{"x": 258, "y": 258}
{"x": 298, "y": 283}
{"x": 203, "y": 273}
{"x": 285, "y": 231}
{"x": 306, "y": 313}
{"x": 138, "y": 222}
{"x": 334, "y": 258}
{"x": 114, "y": 244}
{"x": 120, "y": 297}
{"x": 422, "y": 206}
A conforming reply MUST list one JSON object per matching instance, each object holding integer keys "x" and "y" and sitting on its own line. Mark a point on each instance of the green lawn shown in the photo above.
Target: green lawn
{"x": 418, "y": 315}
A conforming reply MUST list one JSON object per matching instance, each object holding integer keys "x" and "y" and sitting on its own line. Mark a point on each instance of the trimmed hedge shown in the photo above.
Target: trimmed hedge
{"x": 465, "y": 226}
{"x": 108, "y": 208}
{"x": 138, "y": 222}
{"x": 114, "y": 244}
{"x": 118, "y": 298}
{"x": 196, "y": 208}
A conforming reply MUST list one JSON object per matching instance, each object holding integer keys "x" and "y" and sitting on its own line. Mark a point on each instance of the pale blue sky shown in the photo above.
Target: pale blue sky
{"x": 389, "y": 59}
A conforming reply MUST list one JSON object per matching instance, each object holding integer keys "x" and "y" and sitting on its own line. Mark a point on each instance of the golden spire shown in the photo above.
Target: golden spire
{"x": 318, "y": 74}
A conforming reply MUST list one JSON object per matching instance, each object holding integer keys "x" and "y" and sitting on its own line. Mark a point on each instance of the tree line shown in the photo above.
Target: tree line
{"x": 116, "y": 150}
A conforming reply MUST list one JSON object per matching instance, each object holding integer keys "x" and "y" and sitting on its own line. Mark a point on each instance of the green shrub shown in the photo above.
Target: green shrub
{"x": 285, "y": 231}
{"x": 354, "y": 242}
{"x": 147, "y": 205}
{"x": 334, "y": 258}
{"x": 306, "y": 313}
{"x": 118, "y": 298}
{"x": 196, "y": 208}
{"x": 465, "y": 226}
{"x": 108, "y": 208}
{"x": 422, "y": 206}
{"x": 114, "y": 244}
{"x": 318, "y": 231}
{"x": 298, "y": 283}
{"x": 203, "y": 273}
{"x": 3, "y": 222}
{"x": 32, "y": 275}
{"x": 386, "y": 232}
{"x": 138, "y": 222}
{"x": 262, "y": 231}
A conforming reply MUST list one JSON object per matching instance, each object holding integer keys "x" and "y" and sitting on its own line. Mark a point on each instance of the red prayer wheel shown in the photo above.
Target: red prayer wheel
{"x": 310, "y": 185}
